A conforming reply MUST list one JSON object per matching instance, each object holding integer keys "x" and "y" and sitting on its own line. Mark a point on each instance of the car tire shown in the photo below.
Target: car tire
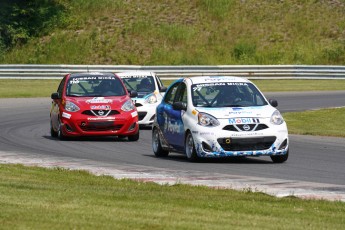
{"x": 53, "y": 133}
{"x": 134, "y": 137}
{"x": 189, "y": 148}
{"x": 60, "y": 134}
{"x": 157, "y": 146}
{"x": 280, "y": 158}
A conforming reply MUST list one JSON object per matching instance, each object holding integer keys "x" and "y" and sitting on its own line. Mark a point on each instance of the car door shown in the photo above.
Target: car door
{"x": 171, "y": 123}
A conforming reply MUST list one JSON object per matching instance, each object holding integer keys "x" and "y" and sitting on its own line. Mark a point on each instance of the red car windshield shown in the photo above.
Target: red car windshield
{"x": 94, "y": 86}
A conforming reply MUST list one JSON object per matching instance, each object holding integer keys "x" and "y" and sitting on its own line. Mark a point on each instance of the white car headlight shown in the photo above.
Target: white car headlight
{"x": 151, "y": 99}
{"x": 205, "y": 119}
{"x": 71, "y": 107}
{"x": 128, "y": 106}
{"x": 277, "y": 118}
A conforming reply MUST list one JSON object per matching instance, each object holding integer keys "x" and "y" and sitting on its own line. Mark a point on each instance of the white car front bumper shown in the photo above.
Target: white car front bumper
{"x": 217, "y": 142}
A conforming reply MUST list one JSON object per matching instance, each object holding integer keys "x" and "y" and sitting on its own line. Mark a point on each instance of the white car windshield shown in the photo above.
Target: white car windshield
{"x": 226, "y": 94}
{"x": 141, "y": 84}
{"x": 94, "y": 86}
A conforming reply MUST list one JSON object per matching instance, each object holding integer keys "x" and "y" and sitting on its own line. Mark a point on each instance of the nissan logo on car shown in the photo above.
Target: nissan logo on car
{"x": 246, "y": 127}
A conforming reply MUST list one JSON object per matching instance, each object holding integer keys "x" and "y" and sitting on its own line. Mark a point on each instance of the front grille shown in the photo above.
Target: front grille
{"x": 246, "y": 144}
{"x": 245, "y": 127}
{"x": 101, "y": 126}
{"x": 141, "y": 115}
{"x": 95, "y": 112}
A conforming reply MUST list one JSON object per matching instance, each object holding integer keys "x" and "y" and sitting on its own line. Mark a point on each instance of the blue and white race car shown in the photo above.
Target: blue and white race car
{"x": 150, "y": 91}
{"x": 219, "y": 116}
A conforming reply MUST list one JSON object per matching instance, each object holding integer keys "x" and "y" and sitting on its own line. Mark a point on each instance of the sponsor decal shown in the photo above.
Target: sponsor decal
{"x": 100, "y": 118}
{"x": 246, "y": 134}
{"x": 134, "y": 76}
{"x": 99, "y": 100}
{"x": 66, "y": 115}
{"x": 240, "y": 112}
{"x": 206, "y": 133}
{"x": 197, "y": 87}
{"x": 172, "y": 127}
{"x": 195, "y": 132}
{"x": 100, "y": 107}
{"x": 243, "y": 120}
{"x": 134, "y": 114}
{"x": 220, "y": 78}
{"x": 74, "y": 81}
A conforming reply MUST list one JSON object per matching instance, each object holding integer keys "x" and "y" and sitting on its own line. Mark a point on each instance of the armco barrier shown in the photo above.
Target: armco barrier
{"x": 172, "y": 72}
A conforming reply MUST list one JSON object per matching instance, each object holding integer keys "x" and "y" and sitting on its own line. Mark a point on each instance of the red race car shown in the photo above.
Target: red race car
{"x": 93, "y": 104}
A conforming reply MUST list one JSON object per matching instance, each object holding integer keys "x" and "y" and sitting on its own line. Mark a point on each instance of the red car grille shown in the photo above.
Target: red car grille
{"x": 101, "y": 126}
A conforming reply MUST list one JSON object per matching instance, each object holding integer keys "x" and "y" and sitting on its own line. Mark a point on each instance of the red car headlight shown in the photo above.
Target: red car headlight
{"x": 71, "y": 107}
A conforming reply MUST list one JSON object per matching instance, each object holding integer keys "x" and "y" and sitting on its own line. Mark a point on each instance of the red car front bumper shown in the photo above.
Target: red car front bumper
{"x": 124, "y": 124}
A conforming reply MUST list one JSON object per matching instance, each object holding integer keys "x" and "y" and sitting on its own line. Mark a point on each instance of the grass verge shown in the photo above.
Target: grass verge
{"x": 14, "y": 88}
{"x": 324, "y": 122}
{"x": 39, "y": 198}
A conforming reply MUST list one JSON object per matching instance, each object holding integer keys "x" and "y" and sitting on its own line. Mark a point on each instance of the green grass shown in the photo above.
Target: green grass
{"x": 43, "y": 88}
{"x": 179, "y": 32}
{"x": 324, "y": 122}
{"x": 27, "y": 88}
{"x": 38, "y": 198}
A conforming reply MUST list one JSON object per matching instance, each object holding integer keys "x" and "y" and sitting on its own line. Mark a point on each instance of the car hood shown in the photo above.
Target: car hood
{"x": 233, "y": 112}
{"x": 100, "y": 102}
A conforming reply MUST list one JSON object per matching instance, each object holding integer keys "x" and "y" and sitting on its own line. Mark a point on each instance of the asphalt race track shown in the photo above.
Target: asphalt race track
{"x": 314, "y": 162}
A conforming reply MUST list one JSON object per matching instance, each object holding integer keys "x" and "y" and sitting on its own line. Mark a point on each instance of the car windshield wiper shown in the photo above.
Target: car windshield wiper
{"x": 75, "y": 95}
{"x": 233, "y": 106}
{"x": 94, "y": 95}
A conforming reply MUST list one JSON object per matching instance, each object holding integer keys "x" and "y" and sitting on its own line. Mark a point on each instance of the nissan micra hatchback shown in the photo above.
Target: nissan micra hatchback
{"x": 219, "y": 116}
{"x": 150, "y": 91}
{"x": 93, "y": 104}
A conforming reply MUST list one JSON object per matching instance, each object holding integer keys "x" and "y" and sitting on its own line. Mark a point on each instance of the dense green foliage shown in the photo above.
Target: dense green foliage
{"x": 21, "y": 20}
{"x": 173, "y": 32}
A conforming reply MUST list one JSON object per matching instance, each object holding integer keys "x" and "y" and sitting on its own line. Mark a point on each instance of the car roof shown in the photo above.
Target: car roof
{"x": 135, "y": 73}
{"x": 92, "y": 74}
{"x": 209, "y": 79}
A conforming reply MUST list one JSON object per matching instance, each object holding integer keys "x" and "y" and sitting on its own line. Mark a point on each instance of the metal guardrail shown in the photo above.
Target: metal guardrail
{"x": 17, "y": 71}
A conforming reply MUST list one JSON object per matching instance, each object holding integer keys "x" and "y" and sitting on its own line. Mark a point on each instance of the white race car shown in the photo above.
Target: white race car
{"x": 150, "y": 91}
{"x": 219, "y": 116}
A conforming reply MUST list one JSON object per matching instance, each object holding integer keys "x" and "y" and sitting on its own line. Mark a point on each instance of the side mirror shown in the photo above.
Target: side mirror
{"x": 133, "y": 93}
{"x": 55, "y": 96}
{"x": 180, "y": 106}
{"x": 273, "y": 102}
{"x": 163, "y": 89}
